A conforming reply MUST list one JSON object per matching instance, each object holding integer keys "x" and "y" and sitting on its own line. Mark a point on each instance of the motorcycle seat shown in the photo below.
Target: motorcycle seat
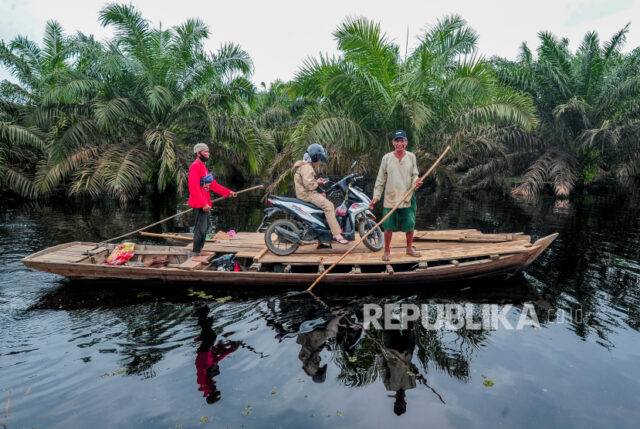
{"x": 297, "y": 201}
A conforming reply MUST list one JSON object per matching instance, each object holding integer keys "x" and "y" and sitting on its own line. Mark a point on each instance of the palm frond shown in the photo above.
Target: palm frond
{"x": 22, "y": 136}
{"x": 17, "y": 181}
{"x": 562, "y": 175}
{"x": 364, "y": 44}
{"x": 535, "y": 177}
{"x": 123, "y": 179}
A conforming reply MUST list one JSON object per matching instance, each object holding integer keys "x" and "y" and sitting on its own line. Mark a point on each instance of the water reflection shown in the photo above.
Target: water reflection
{"x": 395, "y": 364}
{"x": 80, "y": 343}
{"x": 209, "y": 356}
{"x": 312, "y": 344}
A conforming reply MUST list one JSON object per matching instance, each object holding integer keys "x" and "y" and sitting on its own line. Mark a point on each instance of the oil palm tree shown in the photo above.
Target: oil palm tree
{"x": 119, "y": 114}
{"x": 588, "y": 105}
{"x": 166, "y": 93}
{"x": 37, "y": 70}
{"x": 441, "y": 93}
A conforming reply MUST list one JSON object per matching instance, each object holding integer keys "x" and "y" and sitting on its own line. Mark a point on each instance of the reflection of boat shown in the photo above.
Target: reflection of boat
{"x": 446, "y": 256}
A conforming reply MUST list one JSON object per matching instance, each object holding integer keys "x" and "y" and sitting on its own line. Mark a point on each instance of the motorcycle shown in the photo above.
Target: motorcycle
{"x": 307, "y": 223}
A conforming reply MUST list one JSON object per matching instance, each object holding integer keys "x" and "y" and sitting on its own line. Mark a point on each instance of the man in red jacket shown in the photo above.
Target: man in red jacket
{"x": 200, "y": 184}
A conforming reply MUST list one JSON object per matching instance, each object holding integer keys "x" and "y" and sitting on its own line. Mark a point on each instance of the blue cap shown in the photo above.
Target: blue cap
{"x": 399, "y": 133}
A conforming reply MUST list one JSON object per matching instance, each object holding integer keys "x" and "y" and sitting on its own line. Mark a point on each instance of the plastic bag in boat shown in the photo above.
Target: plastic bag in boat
{"x": 121, "y": 254}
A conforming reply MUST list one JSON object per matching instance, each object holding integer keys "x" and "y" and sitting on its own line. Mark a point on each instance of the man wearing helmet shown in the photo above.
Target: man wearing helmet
{"x": 306, "y": 185}
{"x": 200, "y": 183}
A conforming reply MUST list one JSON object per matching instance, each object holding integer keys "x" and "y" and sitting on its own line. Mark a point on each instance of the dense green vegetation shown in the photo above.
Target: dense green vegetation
{"x": 119, "y": 118}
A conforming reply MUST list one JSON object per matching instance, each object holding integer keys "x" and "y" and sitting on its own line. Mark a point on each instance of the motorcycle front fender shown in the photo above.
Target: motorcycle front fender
{"x": 364, "y": 212}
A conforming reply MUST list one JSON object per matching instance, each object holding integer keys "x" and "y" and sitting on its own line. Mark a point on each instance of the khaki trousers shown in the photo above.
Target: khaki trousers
{"x": 328, "y": 209}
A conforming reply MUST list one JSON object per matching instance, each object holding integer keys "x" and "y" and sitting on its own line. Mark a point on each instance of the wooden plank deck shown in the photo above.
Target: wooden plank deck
{"x": 452, "y": 245}
{"x": 434, "y": 245}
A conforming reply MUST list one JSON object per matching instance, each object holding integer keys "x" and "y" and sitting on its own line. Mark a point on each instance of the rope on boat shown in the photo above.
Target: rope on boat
{"x": 174, "y": 216}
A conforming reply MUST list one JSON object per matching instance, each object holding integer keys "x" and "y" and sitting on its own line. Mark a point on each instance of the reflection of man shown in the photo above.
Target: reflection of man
{"x": 395, "y": 367}
{"x": 209, "y": 356}
{"x": 312, "y": 344}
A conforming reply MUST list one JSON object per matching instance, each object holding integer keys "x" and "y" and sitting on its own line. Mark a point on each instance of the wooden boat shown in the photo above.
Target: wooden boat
{"x": 446, "y": 256}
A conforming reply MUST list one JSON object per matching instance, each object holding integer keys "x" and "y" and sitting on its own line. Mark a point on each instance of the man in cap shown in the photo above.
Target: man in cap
{"x": 201, "y": 182}
{"x": 397, "y": 174}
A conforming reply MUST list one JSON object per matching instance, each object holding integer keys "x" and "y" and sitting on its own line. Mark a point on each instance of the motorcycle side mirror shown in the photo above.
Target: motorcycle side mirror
{"x": 353, "y": 164}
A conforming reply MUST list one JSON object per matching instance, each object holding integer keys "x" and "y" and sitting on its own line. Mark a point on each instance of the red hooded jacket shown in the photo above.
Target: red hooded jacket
{"x": 199, "y": 195}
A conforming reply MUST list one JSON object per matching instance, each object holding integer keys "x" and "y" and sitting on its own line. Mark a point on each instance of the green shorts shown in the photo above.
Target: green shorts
{"x": 406, "y": 217}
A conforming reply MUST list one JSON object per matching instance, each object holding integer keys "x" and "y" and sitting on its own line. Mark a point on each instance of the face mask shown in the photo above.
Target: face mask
{"x": 203, "y": 158}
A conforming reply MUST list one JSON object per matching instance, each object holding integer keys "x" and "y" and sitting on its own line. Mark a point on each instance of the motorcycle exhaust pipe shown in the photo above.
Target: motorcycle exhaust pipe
{"x": 284, "y": 234}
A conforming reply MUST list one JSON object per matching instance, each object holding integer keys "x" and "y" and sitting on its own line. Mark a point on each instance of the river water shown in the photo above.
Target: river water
{"x": 170, "y": 356}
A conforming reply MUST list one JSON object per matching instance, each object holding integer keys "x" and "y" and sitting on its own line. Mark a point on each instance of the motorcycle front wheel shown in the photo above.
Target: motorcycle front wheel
{"x": 279, "y": 237}
{"x": 375, "y": 240}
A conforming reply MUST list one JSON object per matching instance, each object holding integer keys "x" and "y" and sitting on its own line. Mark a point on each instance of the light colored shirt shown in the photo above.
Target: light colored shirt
{"x": 397, "y": 371}
{"x": 395, "y": 178}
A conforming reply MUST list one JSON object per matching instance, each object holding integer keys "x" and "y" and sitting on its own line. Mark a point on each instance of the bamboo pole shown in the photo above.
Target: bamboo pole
{"x": 409, "y": 192}
{"x": 174, "y": 216}
{"x": 172, "y": 236}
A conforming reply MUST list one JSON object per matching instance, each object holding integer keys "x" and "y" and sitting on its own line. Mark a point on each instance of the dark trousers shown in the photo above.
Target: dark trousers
{"x": 200, "y": 227}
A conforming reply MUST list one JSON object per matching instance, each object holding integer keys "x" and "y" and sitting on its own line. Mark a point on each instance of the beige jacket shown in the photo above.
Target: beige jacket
{"x": 305, "y": 180}
{"x": 395, "y": 178}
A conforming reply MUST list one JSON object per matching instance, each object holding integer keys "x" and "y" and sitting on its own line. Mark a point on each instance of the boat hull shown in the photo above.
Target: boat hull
{"x": 58, "y": 261}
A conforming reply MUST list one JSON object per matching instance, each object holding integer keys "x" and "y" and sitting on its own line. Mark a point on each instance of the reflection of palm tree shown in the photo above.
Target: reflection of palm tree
{"x": 209, "y": 356}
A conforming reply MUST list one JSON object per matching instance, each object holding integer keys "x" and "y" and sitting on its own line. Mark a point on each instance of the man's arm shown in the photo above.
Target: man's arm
{"x": 381, "y": 180}
{"x": 219, "y": 189}
{"x": 414, "y": 173}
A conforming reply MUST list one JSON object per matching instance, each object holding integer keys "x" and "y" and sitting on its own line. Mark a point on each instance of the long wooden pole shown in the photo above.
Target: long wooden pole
{"x": 409, "y": 192}
{"x": 172, "y": 236}
{"x": 175, "y": 215}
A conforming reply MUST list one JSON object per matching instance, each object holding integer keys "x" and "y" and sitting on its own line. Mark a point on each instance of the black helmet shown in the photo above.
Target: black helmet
{"x": 317, "y": 153}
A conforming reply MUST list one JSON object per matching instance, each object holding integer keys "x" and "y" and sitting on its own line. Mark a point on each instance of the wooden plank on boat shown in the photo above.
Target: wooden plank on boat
{"x": 161, "y": 252}
{"x": 400, "y": 257}
{"x": 60, "y": 258}
{"x": 190, "y": 264}
{"x": 260, "y": 254}
{"x": 468, "y": 236}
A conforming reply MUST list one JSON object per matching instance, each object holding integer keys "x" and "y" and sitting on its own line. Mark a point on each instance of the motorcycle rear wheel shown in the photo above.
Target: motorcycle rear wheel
{"x": 279, "y": 244}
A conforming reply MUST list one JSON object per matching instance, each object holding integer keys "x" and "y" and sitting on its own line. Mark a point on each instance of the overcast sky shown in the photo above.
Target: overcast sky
{"x": 280, "y": 34}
